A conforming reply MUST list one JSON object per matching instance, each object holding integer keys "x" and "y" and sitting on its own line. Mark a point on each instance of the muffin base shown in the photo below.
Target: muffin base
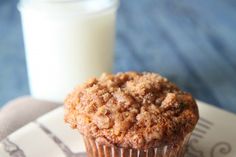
{"x": 96, "y": 150}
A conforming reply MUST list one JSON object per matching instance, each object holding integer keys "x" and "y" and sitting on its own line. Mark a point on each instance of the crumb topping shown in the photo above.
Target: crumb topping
{"x": 137, "y": 110}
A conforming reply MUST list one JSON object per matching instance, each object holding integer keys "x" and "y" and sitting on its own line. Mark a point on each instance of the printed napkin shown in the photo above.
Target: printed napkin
{"x": 48, "y": 136}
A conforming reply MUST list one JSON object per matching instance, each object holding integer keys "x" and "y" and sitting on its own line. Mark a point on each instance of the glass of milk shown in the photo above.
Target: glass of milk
{"x": 66, "y": 42}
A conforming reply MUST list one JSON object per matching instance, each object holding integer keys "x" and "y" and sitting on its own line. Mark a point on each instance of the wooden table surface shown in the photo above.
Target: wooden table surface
{"x": 193, "y": 43}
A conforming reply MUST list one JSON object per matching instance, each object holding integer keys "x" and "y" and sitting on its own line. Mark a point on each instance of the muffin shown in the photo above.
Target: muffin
{"x": 132, "y": 115}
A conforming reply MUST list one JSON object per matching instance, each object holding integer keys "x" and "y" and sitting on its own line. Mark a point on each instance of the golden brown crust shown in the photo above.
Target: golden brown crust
{"x": 136, "y": 110}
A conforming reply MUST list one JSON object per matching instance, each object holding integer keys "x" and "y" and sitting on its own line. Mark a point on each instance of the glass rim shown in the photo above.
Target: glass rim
{"x": 114, "y": 4}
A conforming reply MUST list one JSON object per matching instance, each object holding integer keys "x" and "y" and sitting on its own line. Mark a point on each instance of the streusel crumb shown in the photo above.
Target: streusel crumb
{"x": 137, "y": 110}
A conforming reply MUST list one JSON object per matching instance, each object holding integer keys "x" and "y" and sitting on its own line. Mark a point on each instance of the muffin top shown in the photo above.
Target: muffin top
{"x": 131, "y": 110}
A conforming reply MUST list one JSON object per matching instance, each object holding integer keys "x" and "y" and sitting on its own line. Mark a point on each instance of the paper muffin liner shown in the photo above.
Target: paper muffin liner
{"x": 96, "y": 150}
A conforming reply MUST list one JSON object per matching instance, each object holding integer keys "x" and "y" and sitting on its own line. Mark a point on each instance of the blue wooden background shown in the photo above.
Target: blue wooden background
{"x": 193, "y": 43}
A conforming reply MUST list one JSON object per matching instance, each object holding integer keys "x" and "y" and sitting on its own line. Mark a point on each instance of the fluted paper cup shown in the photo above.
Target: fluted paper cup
{"x": 95, "y": 149}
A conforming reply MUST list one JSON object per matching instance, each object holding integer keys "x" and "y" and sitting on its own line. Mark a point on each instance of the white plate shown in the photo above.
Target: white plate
{"x": 48, "y": 136}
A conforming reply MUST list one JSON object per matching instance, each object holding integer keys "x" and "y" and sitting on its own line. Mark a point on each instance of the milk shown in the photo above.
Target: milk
{"x": 66, "y": 42}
